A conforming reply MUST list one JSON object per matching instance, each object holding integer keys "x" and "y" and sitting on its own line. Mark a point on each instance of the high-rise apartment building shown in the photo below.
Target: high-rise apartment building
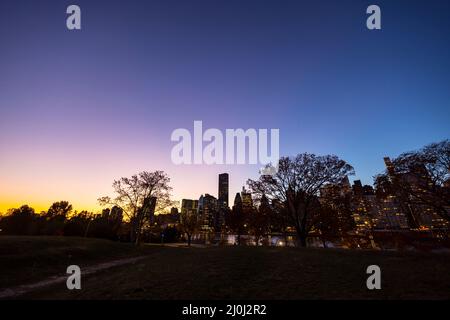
{"x": 207, "y": 210}
{"x": 247, "y": 201}
{"x": 223, "y": 190}
{"x": 189, "y": 206}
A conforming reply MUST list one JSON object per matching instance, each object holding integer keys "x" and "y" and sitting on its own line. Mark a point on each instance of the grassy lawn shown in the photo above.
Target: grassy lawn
{"x": 26, "y": 260}
{"x": 224, "y": 272}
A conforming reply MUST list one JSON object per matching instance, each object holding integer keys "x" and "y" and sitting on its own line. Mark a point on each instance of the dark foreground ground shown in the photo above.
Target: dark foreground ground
{"x": 220, "y": 272}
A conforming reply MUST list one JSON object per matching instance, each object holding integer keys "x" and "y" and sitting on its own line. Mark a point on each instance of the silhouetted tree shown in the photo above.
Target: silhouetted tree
{"x": 236, "y": 219}
{"x": 259, "y": 220}
{"x": 189, "y": 224}
{"x": 61, "y": 208}
{"x": 296, "y": 185}
{"x": 77, "y": 225}
{"x": 106, "y": 225}
{"x": 170, "y": 234}
{"x": 420, "y": 178}
{"x": 133, "y": 192}
{"x": 341, "y": 206}
{"x": 326, "y": 223}
{"x": 279, "y": 219}
{"x": 115, "y": 219}
{"x": 21, "y": 221}
{"x": 55, "y": 218}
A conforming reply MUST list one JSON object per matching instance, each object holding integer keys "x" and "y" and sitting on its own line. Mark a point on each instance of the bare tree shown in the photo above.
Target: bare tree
{"x": 326, "y": 223}
{"x": 134, "y": 194}
{"x": 259, "y": 220}
{"x": 296, "y": 185}
{"x": 189, "y": 223}
{"x": 236, "y": 219}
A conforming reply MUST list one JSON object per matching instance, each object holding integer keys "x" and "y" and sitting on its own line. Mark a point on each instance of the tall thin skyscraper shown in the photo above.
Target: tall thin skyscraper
{"x": 223, "y": 190}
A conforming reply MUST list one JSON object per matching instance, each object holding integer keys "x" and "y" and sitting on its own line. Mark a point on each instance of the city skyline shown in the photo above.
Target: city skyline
{"x": 226, "y": 158}
{"x": 222, "y": 181}
{"x": 80, "y": 109}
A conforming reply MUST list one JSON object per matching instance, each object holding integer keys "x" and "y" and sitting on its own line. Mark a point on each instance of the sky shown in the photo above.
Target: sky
{"x": 81, "y": 108}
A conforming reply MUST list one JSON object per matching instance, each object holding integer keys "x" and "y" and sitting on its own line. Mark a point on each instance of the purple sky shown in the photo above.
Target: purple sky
{"x": 79, "y": 109}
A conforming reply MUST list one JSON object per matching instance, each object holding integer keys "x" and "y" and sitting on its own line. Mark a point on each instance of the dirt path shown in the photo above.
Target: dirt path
{"x": 20, "y": 290}
{"x": 184, "y": 245}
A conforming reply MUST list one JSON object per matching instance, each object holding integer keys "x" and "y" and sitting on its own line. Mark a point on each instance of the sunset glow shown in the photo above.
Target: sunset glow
{"x": 80, "y": 109}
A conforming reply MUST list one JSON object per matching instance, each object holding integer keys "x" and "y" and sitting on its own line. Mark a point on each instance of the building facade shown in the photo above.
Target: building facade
{"x": 223, "y": 190}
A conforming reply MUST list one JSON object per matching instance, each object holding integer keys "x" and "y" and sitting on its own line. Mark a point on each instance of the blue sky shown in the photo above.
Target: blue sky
{"x": 81, "y": 108}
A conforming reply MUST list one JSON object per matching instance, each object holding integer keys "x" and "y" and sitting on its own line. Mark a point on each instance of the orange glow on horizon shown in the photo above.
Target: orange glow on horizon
{"x": 184, "y": 187}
